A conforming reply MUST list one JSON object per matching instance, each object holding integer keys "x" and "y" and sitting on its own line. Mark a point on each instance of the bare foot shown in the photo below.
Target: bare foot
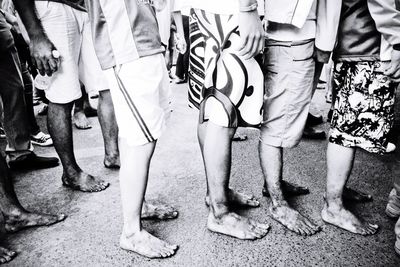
{"x": 237, "y": 226}
{"x": 346, "y": 220}
{"x": 147, "y": 245}
{"x": 355, "y": 196}
{"x": 239, "y": 137}
{"x": 293, "y": 220}
{"x": 84, "y": 182}
{"x": 289, "y": 189}
{"x": 6, "y": 255}
{"x": 112, "y": 162}
{"x": 18, "y": 220}
{"x": 158, "y": 212}
{"x": 81, "y": 121}
{"x": 238, "y": 199}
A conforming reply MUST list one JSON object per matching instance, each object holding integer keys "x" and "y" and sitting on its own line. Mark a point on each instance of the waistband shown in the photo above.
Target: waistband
{"x": 271, "y": 42}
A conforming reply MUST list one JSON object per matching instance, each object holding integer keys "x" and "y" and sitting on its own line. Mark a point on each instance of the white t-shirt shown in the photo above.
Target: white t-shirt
{"x": 224, "y": 7}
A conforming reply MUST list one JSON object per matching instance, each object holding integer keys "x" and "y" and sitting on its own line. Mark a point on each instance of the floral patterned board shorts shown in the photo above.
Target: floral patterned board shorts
{"x": 364, "y": 106}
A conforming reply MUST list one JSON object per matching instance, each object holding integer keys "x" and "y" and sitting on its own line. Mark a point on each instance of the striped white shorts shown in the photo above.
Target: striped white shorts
{"x": 141, "y": 95}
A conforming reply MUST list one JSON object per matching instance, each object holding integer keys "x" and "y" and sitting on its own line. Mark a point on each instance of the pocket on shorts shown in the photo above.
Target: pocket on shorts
{"x": 303, "y": 52}
{"x": 271, "y": 57}
{"x": 43, "y": 8}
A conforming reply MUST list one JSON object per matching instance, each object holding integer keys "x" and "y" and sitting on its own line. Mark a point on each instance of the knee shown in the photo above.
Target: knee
{"x": 105, "y": 95}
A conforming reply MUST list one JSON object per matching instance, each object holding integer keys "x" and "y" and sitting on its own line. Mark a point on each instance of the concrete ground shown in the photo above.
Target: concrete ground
{"x": 90, "y": 234}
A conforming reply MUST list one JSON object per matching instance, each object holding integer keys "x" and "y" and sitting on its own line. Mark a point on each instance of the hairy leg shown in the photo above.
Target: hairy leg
{"x": 109, "y": 129}
{"x": 236, "y": 198}
{"x": 15, "y": 216}
{"x": 288, "y": 189}
{"x": 135, "y": 164}
{"x": 340, "y": 162}
{"x": 80, "y": 120}
{"x": 60, "y": 128}
{"x": 216, "y": 142}
{"x": 272, "y": 164}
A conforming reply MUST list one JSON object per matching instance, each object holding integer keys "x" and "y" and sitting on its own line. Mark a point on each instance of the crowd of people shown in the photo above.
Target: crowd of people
{"x": 248, "y": 63}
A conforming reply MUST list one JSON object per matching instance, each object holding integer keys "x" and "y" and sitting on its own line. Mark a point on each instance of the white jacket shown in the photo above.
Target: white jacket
{"x": 295, "y": 12}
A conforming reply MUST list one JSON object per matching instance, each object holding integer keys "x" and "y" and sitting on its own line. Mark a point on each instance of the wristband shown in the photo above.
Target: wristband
{"x": 249, "y": 8}
{"x": 396, "y": 47}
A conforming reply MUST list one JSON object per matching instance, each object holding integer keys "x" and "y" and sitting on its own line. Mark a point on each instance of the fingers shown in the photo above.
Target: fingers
{"x": 252, "y": 45}
{"x": 53, "y": 65}
{"x": 393, "y": 72}
{"x": 46, "y": 66}
{"x": 396, "y": 76}
{"x": 248, "y": 50}
{"x": 39, "y": 66}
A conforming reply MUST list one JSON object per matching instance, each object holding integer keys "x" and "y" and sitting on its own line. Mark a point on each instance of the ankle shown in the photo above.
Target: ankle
{"x": 131, "y": 230}
{"x": 333, "y": 204}
{"x": 218, "y": 210}
{"x": 69, "y": 173}
{"x": 277, "y": 203}
{"x": 111, "y": 156}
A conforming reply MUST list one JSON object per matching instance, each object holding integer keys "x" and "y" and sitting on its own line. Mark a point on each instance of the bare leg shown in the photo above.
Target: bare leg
{"x": 234, "y": 198}
{"x": 15, "y": 216}
{"x": 80, "y": 120}
{"x": 60, "y": 128}
{"x": 338, "y": 171}
{"x": 109, "y": 129}
{"x": 135, "y": 163}
{"x": 87, "y": 108}
{"x": 215, "y": 142}
{"x": 271, "y": 163}
{"x": 288, "y": 189}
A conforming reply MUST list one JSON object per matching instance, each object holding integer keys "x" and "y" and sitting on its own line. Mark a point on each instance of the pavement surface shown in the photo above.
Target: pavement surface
{"x": 90, "y": 234}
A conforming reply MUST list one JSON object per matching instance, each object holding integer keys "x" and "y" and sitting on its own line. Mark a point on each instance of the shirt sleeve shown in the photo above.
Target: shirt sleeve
{"x": 328, "y": 16}
{"x": 387, "y": 19}
{"x": 178, "y": 5}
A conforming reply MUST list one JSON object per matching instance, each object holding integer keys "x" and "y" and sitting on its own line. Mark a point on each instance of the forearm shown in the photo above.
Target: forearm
{"x": 27, "y": 12}
{"x": 328, "y": 16}
{"x": 178, "y": 22}
{"x": 44, "y": 54}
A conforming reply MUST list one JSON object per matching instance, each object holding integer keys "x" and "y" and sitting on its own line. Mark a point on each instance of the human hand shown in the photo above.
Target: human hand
{"x": 180, "y": 44}
{"x": 11, "y": 19}
{"x": 393, "y": 71}
{"x": 44, "y": 55}
{"x": 252, "y": 34}
{"x": 322, "y": 56}
{"x": 158, "y": 4}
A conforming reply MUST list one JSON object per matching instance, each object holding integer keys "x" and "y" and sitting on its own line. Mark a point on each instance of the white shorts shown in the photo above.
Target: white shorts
{"x": 69, "y": 30}
{"x": 140, "y": 92}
